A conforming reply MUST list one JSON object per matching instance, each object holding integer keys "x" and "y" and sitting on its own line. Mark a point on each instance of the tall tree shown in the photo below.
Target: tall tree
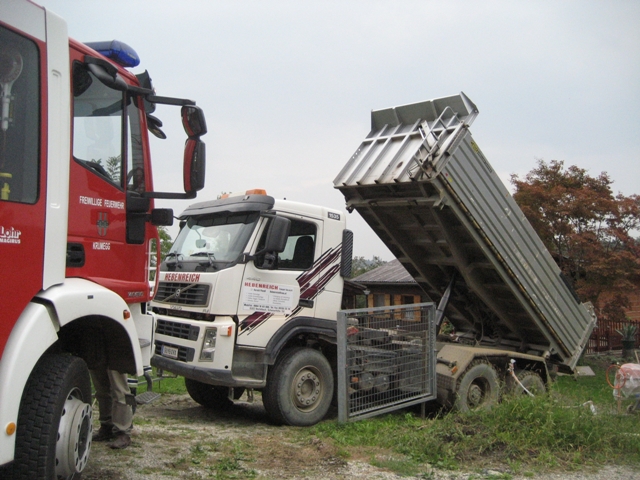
{"x": 587, "y": 229}
{"x": 114, "y": 167}
{"x": 165, "y": 242}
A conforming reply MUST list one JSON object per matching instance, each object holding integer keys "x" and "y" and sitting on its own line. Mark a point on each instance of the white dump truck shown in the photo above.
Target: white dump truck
{"x": 249, "y": 294}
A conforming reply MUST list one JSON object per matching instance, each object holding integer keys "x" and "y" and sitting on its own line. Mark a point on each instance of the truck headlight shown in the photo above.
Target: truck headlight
{"x": 208, "y": 344}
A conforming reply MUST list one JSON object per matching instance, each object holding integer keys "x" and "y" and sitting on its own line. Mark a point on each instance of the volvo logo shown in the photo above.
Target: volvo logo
{"x": 177, "y": 293}
{"x": 102, "y": 223}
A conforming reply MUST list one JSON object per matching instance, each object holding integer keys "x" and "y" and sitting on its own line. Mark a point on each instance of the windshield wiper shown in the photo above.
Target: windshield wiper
{"x": 201, "y": 254}
{"x": 210, "y": 256}
{"x": 173, "y": 254}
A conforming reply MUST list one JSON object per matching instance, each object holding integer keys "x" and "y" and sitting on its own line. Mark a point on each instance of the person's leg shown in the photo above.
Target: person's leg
{"x": 102, "y": 385}
{"x": 121, "y": 410}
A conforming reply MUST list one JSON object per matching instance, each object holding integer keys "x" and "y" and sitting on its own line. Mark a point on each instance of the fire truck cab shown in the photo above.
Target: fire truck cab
{"x": 78, "y": 230}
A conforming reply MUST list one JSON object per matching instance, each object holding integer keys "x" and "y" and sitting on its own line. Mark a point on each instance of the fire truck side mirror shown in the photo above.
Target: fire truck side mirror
{"x": 194, "y": 165}
{"x": 193, "y": 121}
{"x": 162, "y": 217}
{"x": 195, "y": 126}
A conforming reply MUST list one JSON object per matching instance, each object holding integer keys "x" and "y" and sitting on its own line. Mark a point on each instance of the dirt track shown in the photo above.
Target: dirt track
{"x": 176, "y": 438}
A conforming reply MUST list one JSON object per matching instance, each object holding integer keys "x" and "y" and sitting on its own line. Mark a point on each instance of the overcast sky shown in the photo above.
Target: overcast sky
{"x": 288, "y": 86}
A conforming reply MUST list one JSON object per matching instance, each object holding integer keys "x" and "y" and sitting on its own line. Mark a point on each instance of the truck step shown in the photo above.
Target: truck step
{"x": 147, "y": 397}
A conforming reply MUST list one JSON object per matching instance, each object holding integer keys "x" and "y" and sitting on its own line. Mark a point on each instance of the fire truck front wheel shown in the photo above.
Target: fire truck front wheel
{"x": 299, "y": 388}
{"x": 53, "y": 438}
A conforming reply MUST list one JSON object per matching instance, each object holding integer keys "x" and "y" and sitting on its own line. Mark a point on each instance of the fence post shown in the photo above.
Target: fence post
{"x": 341, "y": 338}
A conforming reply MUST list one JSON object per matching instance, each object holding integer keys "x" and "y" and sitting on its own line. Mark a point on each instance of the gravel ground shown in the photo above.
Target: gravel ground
{"x": 176, "y": 438}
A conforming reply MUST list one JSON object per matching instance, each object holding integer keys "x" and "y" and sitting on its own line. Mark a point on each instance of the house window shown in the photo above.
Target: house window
{"x": 408, "y": 299}
{"x": 378, "y": 300}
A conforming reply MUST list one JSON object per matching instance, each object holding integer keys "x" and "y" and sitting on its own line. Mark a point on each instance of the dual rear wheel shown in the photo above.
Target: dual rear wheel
{"x": 479, "y": 386}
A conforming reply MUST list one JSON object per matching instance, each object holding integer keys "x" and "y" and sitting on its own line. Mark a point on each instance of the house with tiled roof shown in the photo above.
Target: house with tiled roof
{"x": 389, "y": 284}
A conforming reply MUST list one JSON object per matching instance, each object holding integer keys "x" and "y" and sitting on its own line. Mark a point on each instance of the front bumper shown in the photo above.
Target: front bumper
{"x": 209, "y": 376}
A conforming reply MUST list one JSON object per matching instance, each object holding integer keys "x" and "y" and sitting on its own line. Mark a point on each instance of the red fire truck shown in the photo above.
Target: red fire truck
{"x": 77, "y": 230}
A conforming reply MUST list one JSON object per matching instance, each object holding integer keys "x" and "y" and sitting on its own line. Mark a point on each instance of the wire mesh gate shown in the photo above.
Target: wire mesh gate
{"x": 386, "y": 359}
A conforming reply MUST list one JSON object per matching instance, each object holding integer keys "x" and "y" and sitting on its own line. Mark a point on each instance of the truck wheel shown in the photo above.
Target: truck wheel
{"x": 478, "y": 388}
{"x": 532, "y": 381}
{"x": 299, "y": 388}
{"x": 53, "y": 439}
{"x": 211, "y": 396}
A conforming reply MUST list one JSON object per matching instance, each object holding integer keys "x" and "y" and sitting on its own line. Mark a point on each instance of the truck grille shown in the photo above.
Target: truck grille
{"x": 196, "y": 294}
{"x": 185, "y": 354}
{"x": 178, "y": 330}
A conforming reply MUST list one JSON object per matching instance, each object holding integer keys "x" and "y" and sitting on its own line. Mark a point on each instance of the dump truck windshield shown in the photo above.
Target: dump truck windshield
{"x": 215, "y": 240}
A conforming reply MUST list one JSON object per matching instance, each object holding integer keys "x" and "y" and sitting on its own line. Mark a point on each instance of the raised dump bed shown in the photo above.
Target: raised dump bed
{"x": 425, "y": 187}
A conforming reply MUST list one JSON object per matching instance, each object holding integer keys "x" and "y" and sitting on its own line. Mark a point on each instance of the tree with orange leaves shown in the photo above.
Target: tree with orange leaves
{"x": 587, "y": 229}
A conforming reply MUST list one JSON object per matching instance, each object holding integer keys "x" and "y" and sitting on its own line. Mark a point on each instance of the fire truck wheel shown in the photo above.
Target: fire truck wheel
{"x": 299, "y": 388}
{"x": 478, "y": 387}
{"x": 53, "y": 439}
{"x": 211, "y": 396}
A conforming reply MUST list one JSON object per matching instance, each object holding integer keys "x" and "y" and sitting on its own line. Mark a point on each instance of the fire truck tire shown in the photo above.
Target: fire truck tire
{"x": 530, "y": 380}
{"x": 211, "y": 396}
{"x": 478, "y": 388}
{"x": 299, "y": 388}
{"x": 53, "y": 439}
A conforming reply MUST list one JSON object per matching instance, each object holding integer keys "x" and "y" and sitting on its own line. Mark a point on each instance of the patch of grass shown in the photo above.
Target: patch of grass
{"x": 220, "y": 459}
{"x": 231, "y": 464}
{"x": 198, "y": 453}
{"x": 400, "y": 465}
{"x": 149, "y": 471}
{"x": 527, "y": 434}
{"x": 167, "y": 384}
{"x": 140, "y": 420}
{"x": 179, "y": 462}
{"x": 582, "y": 389}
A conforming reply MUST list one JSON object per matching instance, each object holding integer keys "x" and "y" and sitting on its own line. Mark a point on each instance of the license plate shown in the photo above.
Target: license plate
{"x": 170, "y": 352}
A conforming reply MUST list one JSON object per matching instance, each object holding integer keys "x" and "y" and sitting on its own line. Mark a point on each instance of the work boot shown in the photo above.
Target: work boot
{"x": 122, "y": 440}
{"x": 105, "y": 433}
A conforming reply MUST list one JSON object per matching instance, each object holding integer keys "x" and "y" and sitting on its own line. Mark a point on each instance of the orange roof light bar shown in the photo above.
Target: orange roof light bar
{"x": 254, "y": 191}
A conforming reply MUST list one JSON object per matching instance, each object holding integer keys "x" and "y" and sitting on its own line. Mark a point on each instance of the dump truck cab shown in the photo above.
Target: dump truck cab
{"x": 248, "y": 277}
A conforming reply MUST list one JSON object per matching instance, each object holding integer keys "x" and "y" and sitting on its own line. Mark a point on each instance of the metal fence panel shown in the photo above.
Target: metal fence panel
{"x": 386, "y": 359}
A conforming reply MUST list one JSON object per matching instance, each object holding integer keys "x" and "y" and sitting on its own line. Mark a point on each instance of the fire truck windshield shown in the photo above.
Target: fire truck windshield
{"x": 212, "y": 241}
{"x": 98, "y": 113}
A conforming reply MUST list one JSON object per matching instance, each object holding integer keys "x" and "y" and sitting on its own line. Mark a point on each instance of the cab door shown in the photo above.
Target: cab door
{"x": 278, "y": 289}
{"x": 107, "y": 227}
{"x": 23, "y": 163}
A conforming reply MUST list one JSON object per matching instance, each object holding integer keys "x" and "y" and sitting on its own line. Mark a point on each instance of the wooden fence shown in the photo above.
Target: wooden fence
{"x": 605, "y": 338}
